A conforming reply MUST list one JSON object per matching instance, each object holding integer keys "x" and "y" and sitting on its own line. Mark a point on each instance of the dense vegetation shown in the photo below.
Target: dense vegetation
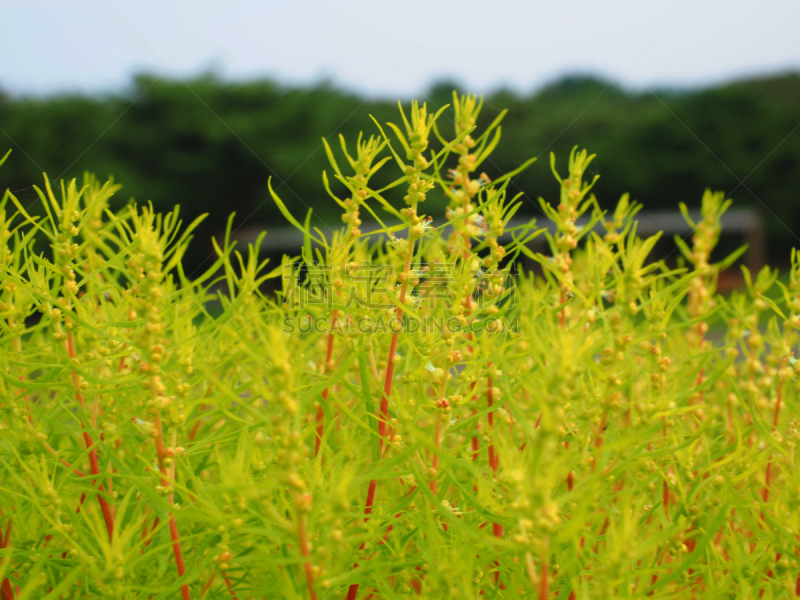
{"x": 211, "y": 145}
{"x": 409, "y": 417}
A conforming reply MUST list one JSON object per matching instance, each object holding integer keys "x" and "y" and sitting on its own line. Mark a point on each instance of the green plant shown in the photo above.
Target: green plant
{"x": 409, "y": 417}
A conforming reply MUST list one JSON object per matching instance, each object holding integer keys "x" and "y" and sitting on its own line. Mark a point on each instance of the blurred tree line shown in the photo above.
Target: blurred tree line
{"x": 210, "y": 145}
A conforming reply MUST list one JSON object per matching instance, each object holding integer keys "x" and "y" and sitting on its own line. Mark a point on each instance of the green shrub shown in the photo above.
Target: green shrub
{"x": 408, "y": 417}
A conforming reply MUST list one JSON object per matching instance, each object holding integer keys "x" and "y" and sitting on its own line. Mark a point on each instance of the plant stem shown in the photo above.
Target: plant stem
{"x": 387, "y": 385}
{"x": 165, "y": 482}
{"x": 302, "y": 536}
{"x": 373, "y": 484}
{"x": 320, "y": 412}
{"x": 475, "y": 441}
{"x": 437, "y": 436}
{"x": 229, "y": 585}
{"x": 87, "y": 438}
{"x": 544, "y": 581}
{"x": 437, "y": 441}
{"x": 176, "y": 548}
{"x": 207, "y": 584}
{"x": 29, "y": 412}
{"x": 778, "y": 399}
{"x": 152, "y": 532}
{"x": 6, "y": 591}
{"x": 494, "y": 463}
{"x": 352, "y": 592}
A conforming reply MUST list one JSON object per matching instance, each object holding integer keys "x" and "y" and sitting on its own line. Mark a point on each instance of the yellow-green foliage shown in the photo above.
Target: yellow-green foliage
{"x": 408, "y": 417}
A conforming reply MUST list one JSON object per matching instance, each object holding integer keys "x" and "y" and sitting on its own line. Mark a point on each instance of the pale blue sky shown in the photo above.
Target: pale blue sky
{"x": 392, "y": 48}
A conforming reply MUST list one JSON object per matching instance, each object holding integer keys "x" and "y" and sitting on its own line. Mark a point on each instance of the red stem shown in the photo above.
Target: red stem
{"x": 493, "y": 459}
{"x": 475, "y": 441}
{"x": 305, "y": 551}
{"x": 387, "y": 390}
{"x": 437, "y": 440}
{"x": 387, "y": 386}
{"x": 6, "y": 591}
{"x": 494, "y": 463}
{"x": 598, "y": 442}
{"x": 229, "y": 584}
{"x": 774, "y": 427}
{"x": 570, "y": 475}
{"x": 173, "y": 526}
{"x": 373, "y": 484}
{"x": 544, "y": 582}
{"x": 326, "y": 370}
{"x": 47, "y": 446}
{"x": 87, "y": 438}
{"x": 176, "y": 548}
{"x": 207, "y": 584}
{"x": 665, "y": 488}
{"x": 196, "y": 426}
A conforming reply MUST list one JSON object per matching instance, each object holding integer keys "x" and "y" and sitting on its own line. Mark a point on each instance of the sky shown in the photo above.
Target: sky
{"x": 391, "y": 49}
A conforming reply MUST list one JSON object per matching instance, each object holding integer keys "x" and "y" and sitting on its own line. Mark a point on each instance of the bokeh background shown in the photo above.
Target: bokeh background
{"x": 198, "y": 103}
